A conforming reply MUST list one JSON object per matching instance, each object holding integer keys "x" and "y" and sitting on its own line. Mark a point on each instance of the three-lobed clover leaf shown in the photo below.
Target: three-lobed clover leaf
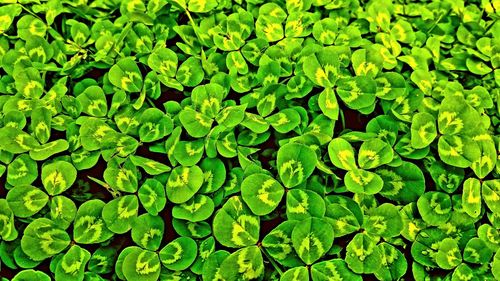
{"x": 157, "y": 140}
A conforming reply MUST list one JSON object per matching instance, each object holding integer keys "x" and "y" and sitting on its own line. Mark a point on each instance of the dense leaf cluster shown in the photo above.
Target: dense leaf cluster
{"x": 249, "y": 140}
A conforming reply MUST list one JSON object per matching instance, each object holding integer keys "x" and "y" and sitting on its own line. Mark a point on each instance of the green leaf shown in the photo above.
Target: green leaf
{"x": 403, "y": 32}
{"x": 48, "y": 149}
{"x": 102, "y": 260}
{"x": 196, "y": 124}
{"x": 31, "y": 275}
{"x": 363, "y": 256}
{"x": 212, "y": 265}
{"x": 328, "y": 104}
{"x": 58, "y": 176}
{"x": 89, "y": 226}
{"x": 390, "y": 85}
{"x": 120, "y": 213}
{"x": 423, "y": 80}
{"x": 215, "y": 174}
{"x": 262, "y": 193}
{"x": 496, "y": 265}
{"x": 72, "y": 264}
{"x": 8, "y": 230}
{"x": 41, "y": 119}
{"x": 302, "y": 204}
{"x": 295, "y": 274}
{"x": 155, "y": 125}
{"x": 141, "y": 264}
{"x": 477, "y": 66}
{"x": 362, "y": 181}
{"x": 122, "y": 177}
{"x": 183, "y": 183}
{"x": 491, "y": 194}
{"x": 446, "y": 177}
{"x": 457, "y": 117}
{"x": 374, "y": 153}
{"x": 163, "y": 61}
{"x": 477, "y": 251}
{"x": 462, "y": 272}
{"x": 341, "y": 154}
{"x": 179, "y": 254}
{"x": 198, "y": 208}
{"x": 434, "y": 207}
{"x": 28, "y": 81}
{"x": 458, "y": 151}
{"x": 405, "y": 183}
{"x": 367, "y": 62}
{"x": 232, "y": 116}
{"x": 189, "y": 153}
{"x": 325, "y": 30}
{"x": 295, "y": 163}
{"x": 312, "y": 238}
{"x": 342, "y": 219}
{"x": 126, "y": 75}
{"x": 335, "y": 269}
{"x": 93, "y": 101}
{"x": 152, "y": 196}
{"x": 8, "y": 12}
{"x": 244, "y": 264}
{"x": 43, "y": 239}
{"x": 423, "y": 130}
{"x": 284, "y": 121}
{"x": 394, "y": 264}
{"x": 448, "y": 255}
{"x": 190, "y": 72}
{"x": 384, "y": 221}
{"x": 322, "y": 68}
{"x": 62, "y": 211}
{"x": 200, "y": 6}
{"x": 22, "y": 171}
{"x": 234, "y": 225}
{"x": 16, "y": 141}
{"x": 485, "y": 162}
{"x": 26, "y": 200}
{"x": 147, "y": 231}
{"x": 278, "y": 243}
{"x": 357, "y": 92}
{"x": 269, "y": 23}
{"x": 151, "y": 167}
{"x": 471, "y": 197}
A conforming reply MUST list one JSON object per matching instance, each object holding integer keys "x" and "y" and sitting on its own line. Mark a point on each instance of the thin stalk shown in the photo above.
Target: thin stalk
{"x": 437, "y": 21}
{"x": 113, "y": 192}
{"x": 196, "y": 31}
{"x": 271, "y": 260}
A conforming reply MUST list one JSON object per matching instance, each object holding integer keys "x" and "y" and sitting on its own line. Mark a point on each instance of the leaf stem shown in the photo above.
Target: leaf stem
{"x": 113, "y": 192}
{"x": 271, "y": 260}
{"x": 195, "y": 29}
{"x": 437, "y": 21}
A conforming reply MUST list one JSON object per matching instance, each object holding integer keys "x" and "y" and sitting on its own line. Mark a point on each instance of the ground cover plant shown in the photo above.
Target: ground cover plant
{"x": 249, "y": 140}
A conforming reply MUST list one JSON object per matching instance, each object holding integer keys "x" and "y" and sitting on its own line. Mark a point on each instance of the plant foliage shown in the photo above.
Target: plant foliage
{"x": 239, "y": 140}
